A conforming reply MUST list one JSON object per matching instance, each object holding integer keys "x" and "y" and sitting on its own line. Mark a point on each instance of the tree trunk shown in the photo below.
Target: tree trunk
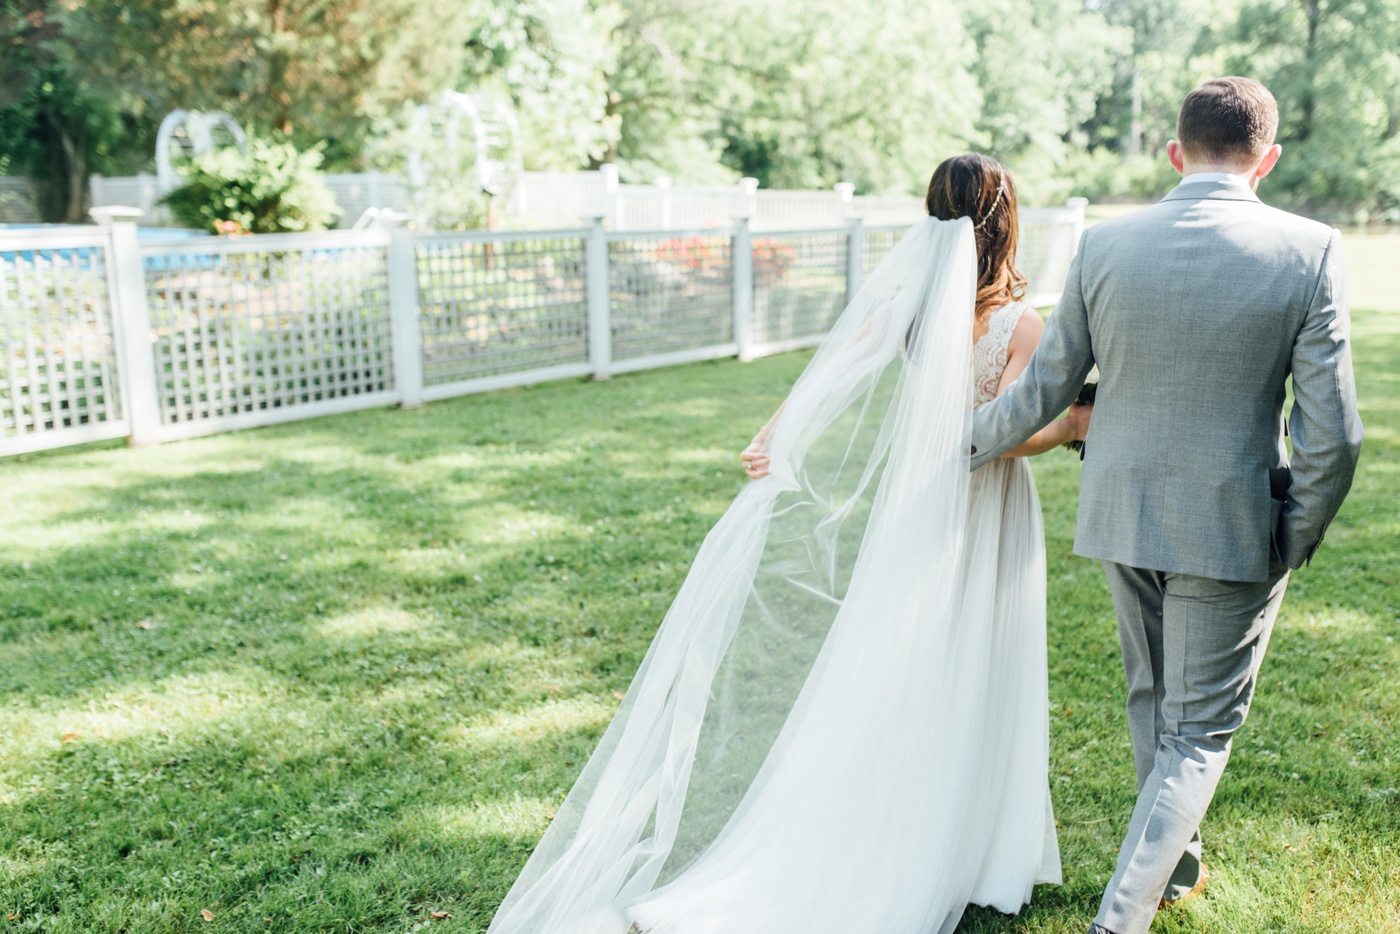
{"x": 1308, "y": 104}
{"x": 610, "y": 154}
{"x": 60, "y": 185}
{"x": 1132, "y": 146}
{"x": 278, "y": 64}
{"x": 77, "y": 178}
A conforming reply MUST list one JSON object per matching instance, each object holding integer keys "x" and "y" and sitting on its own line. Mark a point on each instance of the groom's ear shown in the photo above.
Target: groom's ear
{"x": 1266, "y": 165}
{"x": 1175, "y": 158}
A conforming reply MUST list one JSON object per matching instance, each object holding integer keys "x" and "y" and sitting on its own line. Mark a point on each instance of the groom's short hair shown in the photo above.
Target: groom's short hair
{"x": 1227, "y": 120}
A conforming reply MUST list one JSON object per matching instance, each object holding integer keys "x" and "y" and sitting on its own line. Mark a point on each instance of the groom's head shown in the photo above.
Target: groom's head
{"x": 1227, "y": 125}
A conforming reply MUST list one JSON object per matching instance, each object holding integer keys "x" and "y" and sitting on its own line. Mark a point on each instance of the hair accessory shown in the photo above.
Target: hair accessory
{"x": 1001, "y": 187}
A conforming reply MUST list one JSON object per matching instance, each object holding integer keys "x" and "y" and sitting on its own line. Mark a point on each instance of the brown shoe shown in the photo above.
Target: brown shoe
{"x": 1198, "y": 889}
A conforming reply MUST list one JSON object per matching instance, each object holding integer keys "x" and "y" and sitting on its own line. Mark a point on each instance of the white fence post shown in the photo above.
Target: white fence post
{"x": 855, "y": 256}
{"x": 845, "y": 193}
{"x": 131, "y": 319}
{"x": 405, "y": 328}
{"x": 599, "y": 295}
{"x": 748, "y": 198}
{"x": 608, "y": 172}
{"x": 151, "y": 192}
{"x": 741, "y": 256}
{"x": 1077, "y": 205}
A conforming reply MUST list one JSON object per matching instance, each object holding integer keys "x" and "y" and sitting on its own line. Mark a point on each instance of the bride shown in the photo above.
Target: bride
{"x": 841, "y": 725}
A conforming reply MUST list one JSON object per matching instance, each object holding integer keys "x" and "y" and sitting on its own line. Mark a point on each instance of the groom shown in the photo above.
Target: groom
{"x": 1196, "y": 311}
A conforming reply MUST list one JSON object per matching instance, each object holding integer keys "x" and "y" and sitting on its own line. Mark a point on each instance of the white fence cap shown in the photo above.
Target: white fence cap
{"x": 110, "y": 214}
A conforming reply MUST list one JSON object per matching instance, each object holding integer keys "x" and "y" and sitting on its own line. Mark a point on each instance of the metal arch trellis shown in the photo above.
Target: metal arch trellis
{"x": 193, "y": 132}
{"x": 495, "y": 138}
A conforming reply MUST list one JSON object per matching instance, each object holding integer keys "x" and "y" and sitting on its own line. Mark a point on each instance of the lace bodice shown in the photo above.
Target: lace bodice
{"x": 989, "y": 353}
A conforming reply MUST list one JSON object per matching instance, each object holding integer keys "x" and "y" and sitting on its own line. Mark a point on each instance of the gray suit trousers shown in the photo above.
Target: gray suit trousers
{"x": 1192, "y": 647}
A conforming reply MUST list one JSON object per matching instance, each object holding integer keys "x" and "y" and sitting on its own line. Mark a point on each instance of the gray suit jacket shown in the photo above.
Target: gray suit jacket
{"x": 1196, "y": 310}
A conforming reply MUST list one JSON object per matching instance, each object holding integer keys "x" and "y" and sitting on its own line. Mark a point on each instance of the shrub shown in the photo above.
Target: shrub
{"x": 702, "y": 256}
{"x": 271, "y": 188}
{"x": 1102, "y": 175}
{"x": 771, "y": 260}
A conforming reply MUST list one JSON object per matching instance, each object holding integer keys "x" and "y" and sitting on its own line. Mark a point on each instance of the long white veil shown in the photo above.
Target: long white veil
{"x": 857, "y": 528}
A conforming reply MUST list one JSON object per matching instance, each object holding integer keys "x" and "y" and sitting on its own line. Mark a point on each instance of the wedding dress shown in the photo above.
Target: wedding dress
{"x": 841, "y": 725}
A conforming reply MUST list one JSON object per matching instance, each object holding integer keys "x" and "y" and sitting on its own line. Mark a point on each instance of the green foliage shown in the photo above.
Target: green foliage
{"x": 1335, "y": 68}
{"x": 316, "y": 72}
{"x": 272, "y": 188}
{"x": 55, "y": 125}
{"x": 338, "y": 673}
{"x": 549, "y": 57}
{"x": 1102, "y": 174}
{"x": 1076, "y": 97}
{"x": 840, "y": 91}
{"x": 1041, "y": 66}
{"x": 445, "y": 189}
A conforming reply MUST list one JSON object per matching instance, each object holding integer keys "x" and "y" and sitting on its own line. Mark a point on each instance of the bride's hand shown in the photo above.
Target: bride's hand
{"x": 1078, "y": 418}
{"x": 755, "y": 460}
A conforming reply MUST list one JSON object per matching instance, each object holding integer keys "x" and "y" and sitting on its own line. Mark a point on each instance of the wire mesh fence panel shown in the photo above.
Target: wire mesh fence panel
{"x": 489, "y": 307}
{"x": 1049, "y": 238}
{"x": 240, "y": 332}
{"x": 58, "y": 355}
{"x": 670, "y": 293}
{"x": 137, "y": 191}
{"x": 878, "y": 242}
{"x": 357, "y": 193}
{"x": 799, "y": 284}
{"x": 17, "y": 202}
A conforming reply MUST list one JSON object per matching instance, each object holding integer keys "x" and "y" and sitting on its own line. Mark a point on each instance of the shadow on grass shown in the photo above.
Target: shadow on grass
{"x": 377, "y": 724}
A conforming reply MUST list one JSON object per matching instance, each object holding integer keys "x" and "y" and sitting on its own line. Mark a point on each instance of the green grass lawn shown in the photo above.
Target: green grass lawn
{"x": 334, "y": 675}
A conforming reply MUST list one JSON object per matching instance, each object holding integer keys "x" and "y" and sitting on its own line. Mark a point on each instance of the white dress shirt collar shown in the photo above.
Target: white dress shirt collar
{"x": 1214, "y": 177}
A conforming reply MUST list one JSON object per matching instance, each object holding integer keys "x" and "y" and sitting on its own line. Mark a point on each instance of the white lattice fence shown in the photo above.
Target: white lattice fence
{"x": 266, "y": 329}
{"x": 877, "y": 211}
{"x": 708, "y": 207}
{"x": 785, "y": 210}
{"x": 58, "y": 355}
{"x": 672, "y": 297}
{"x": 642, "y": 207}
{"x": 101, "y": 336}
{"x": 558, "y": 199}
{"x": 501, "y": 310}
{"x": 799, "y": 286}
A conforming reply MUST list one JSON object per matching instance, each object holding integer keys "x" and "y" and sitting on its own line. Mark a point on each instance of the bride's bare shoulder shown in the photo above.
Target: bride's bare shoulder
{"x": 1029, "y": 327}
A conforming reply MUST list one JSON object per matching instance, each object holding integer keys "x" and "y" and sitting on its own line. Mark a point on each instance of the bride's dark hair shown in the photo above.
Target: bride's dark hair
{"x": 977, "y": 186}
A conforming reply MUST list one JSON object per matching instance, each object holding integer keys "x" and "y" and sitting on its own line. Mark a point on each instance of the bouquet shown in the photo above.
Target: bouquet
{"x": 1085, "y": 397}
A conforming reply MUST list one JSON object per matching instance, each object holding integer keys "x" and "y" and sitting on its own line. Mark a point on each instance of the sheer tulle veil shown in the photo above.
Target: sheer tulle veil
{"x": 856, "y": 531}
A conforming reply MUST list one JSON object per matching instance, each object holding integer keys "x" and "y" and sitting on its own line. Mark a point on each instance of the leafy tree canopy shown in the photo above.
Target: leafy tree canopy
{"x": 1077, "y": 96}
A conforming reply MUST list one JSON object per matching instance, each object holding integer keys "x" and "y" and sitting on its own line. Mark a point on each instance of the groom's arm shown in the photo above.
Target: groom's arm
{"x": 1050, "y": 382}
{"x": 1324, "y": 424}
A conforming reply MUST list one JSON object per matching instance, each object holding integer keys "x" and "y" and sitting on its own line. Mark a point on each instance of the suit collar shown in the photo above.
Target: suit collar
{"x": 1221, "y": 189}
